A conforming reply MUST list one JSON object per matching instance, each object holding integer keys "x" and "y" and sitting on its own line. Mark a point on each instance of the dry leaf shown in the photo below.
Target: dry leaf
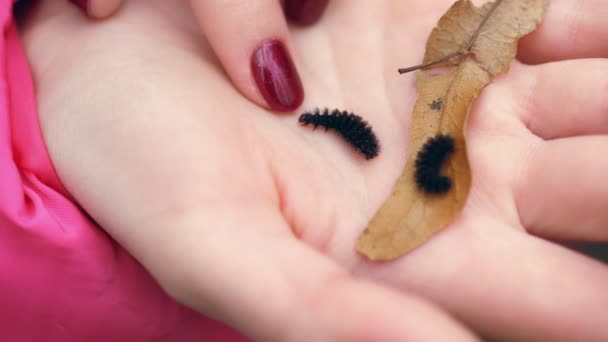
{"x": 410, "y": 217}
{"x": 495, "y": 44}
{"x": 480, "y": 42}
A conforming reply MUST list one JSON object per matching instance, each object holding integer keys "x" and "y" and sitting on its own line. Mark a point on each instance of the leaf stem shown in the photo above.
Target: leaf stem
{"x": 467, "y": 48}
{"x": 426, "y": 65}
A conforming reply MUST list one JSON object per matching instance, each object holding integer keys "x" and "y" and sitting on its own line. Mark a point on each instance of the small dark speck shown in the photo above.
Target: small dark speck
{"x": 436, "y": 104}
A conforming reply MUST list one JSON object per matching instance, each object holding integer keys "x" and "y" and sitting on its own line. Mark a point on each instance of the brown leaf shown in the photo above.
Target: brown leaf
{"x": 409, "y": 217}
{"x": 495, "y": 44}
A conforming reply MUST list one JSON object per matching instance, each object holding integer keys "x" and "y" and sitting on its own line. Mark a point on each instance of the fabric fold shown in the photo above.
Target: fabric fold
{"x": 62, "y": 278}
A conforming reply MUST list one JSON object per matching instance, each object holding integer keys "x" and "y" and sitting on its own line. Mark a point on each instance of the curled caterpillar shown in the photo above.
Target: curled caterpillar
{"x": 351, "y": 127}
{"x": 429, "y": 161}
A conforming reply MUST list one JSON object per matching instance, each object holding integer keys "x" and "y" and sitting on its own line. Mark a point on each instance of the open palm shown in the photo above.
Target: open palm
{"x": 248, "y": 217}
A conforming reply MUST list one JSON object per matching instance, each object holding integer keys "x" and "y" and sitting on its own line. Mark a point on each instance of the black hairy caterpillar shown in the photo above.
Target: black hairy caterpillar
{"x": 429, "y": 161}
{"x": 351, "y": 127}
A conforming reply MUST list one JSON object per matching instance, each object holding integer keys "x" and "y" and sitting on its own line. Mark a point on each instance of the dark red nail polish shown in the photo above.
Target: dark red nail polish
{"x": 276, "y": 76}
{"x": 304, "y": 12}
{"x": 82, "y": 4}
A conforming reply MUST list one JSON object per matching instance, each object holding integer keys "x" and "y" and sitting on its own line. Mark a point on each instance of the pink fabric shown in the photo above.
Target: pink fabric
{"x": 61, "y": 277}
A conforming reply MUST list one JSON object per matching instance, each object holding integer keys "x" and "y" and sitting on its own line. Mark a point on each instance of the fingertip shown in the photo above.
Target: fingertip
{"x": 276, "y": 76}
{"x": 304, "y": 12}
{"x": 569, "y": 30}
{"x": 83, "y": 5}
{"x": 257, "y": 57}
{"x": 97, "y": 9}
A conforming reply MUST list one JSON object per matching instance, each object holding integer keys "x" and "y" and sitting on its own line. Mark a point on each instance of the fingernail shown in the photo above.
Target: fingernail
{"x": 304, "y": 12}
{"x": 276, "y": 76}
{"x": 82, "y": 4}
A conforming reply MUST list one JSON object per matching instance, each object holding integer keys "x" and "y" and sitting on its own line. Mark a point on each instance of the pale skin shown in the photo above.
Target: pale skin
{"x": 230, "y": 31}
{"x": 245, "y": 216}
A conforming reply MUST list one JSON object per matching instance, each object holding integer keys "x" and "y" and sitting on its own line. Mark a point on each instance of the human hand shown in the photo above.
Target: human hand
{"x": 231, "y": 199}
{"x": 251, "y": 40}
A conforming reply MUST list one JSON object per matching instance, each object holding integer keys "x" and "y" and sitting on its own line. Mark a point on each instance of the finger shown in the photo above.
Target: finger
{"x": 242, "y": 266}
{"x": 508, "y": 286}
{"x": 257, "y": 55}
{"x": 98, "y": 8}
{"x": 566, "y": 98}
{"x": 563, "y": 99}
{"x": 563, "y": 192}
{"x": 570, "y": 29}
{"x": 596, "y": 250}
{"x": 304, "y": 12}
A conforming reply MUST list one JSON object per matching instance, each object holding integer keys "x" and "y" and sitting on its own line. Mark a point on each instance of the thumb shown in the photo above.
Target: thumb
{"x": 98, "y": 9}
{"x": 244, "y": 267}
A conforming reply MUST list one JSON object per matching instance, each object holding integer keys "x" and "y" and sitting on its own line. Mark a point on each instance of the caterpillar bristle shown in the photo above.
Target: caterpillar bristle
{"x": 429, "y": 161}
{"x": 356, "y": 131}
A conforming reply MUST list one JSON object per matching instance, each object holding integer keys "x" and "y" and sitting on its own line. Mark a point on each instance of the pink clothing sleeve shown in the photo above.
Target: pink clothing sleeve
{"x": 62, "y": 278}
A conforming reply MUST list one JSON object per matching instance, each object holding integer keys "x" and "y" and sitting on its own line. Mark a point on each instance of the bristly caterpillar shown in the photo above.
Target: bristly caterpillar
{"x": 429, "y": 161}
{"x": 351, "y": 127}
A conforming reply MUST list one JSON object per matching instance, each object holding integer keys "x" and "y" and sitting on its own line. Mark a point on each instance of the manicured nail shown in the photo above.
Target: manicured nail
{"x": 82, "y": 4}
{"x": 304, "y": 12}
{"x": 276, "y": 76}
